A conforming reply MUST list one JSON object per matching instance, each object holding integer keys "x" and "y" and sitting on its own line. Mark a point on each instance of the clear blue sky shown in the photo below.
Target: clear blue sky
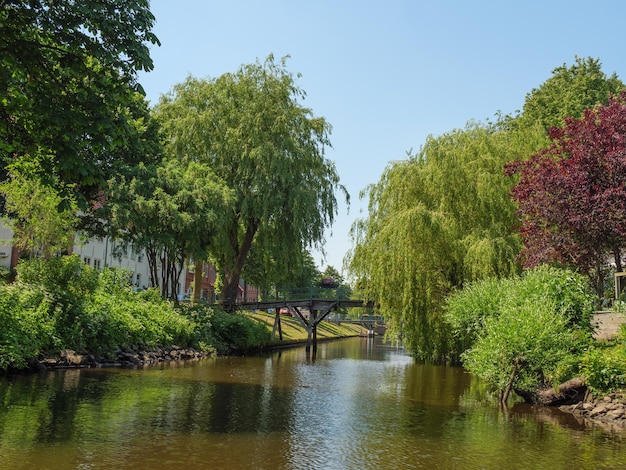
{"x": 388, "y": 73}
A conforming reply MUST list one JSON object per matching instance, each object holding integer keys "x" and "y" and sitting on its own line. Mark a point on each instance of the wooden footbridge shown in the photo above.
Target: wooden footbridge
{"x": 309, "y": 311}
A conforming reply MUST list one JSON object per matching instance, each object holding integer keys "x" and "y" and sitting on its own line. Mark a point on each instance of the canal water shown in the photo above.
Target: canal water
{"x": 360, "y": 405}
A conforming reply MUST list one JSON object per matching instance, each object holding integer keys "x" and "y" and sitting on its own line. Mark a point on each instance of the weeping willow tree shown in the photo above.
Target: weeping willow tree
{"x": 252, "y": 130}
{"x": 444, "y": 216}
{"x": 436, "y": 220}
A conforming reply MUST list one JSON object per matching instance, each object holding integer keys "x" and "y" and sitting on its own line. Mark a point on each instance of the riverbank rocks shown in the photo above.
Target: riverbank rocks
{"x": 122, "y": 358}
{"x": 610, "y": 410}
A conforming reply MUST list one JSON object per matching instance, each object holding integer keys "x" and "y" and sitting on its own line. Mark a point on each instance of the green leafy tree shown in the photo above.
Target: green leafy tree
{"x": 292, "y": 280}
{"x": 568, "y": 93}
{"x": 67, "y": 75}
{"x": 250, "y": 128}
{"x": 128, "y": 161}
{"x": 444, "y": 216}
{"x": 40, "y": 225}
{"x": 172, "y": 211}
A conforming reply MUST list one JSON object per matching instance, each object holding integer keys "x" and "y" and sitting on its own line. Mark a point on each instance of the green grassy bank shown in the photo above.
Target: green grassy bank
{"x": 61, "y": 305}
{"x": 294, "y": 332}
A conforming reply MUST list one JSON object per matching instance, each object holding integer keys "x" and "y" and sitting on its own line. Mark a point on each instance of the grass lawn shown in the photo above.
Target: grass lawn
{"x": 293, "y": 330}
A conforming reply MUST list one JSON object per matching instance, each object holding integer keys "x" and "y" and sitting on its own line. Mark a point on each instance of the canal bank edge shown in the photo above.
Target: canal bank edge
{"x": 608, "y": 412}
{"x": 295, "y": 335}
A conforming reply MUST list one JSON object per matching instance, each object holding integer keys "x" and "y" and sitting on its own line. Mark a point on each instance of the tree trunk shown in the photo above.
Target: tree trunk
{"x": 568, "y": 393}
{"x": 504, "y": 396}
{"x": 617, "y": 254}
{"x": 152, "y": 264}
{"x": 232, "y": 274}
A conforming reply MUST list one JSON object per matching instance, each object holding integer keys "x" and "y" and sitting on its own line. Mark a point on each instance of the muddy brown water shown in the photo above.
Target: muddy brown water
{"x": 360, "y": 405}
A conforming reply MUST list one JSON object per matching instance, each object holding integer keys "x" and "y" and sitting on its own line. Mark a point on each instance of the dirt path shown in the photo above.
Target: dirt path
{"x": 608, "y": 324}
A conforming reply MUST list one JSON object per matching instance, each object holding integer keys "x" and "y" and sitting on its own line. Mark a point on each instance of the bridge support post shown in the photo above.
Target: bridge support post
{"x": 314, "y": 332}
{"x": 277, "y": 325}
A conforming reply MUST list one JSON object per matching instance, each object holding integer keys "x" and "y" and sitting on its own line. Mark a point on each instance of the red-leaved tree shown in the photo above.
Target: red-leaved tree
{"x": 572, "y": 195}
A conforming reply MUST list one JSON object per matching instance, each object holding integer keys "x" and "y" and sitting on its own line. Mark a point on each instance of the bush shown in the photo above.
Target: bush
{"x": 62, "y": 304}
{"x": 523, "y": 332}
{"x": 66, "y": 284}
{"x": 521, "y": 348}
{"x": 236, "y": 332}
{"x": 467, "y": 310}
{"x": 116, "y": 317}
{"x": 604, "y": 368}
{"x": 26, "y": 328}
{"x": 65, "y": 280}
{"x": 568, "y": 290}
{"x": 200, "y": 315}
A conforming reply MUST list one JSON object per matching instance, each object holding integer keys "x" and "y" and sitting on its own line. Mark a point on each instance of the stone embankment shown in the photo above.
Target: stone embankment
{"x": 72, "y": 359}
{"x": 608, "y": 411}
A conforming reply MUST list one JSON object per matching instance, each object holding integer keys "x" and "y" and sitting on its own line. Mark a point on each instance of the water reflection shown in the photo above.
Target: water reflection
{"x": 361, "y": 404}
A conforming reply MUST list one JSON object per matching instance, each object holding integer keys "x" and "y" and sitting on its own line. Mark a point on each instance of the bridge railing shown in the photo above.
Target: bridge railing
{"x": 310, "y": 292}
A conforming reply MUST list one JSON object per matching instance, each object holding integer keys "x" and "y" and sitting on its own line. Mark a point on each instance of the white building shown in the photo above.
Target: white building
{"x": 97, "y": 253}
{"x": 104, "y": 253}
{"x": 101, "y": 253}
{"x": 6, "y": 248}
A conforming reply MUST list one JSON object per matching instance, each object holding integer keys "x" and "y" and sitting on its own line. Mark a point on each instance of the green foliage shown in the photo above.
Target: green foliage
{"x": 444, "y": 217}
{"x": 523, "y": 332}
{"x": 437, "y": 220}
{"x": 201, "y": 316}
{"x": 73, "y": 306}
{"x": 520, "y": 348}
{"x": 26, "y": 326}
{"x": 466, "y": 310}
{"x": 170, "y": 209}
{"x": 567, "y": 289}
{"x": 4, "y": 274}
{"x": 568, "y": 93}
{"x": 235, "y": 332}
{"x": 60, "y": 304}
{"x": 67, "y": 79}
{"x": 42, "y": 221}
{"x": 604, "y": 368}
{"x": 124, "y": 319}
{"x": 66, "y": 284}
{"x": 250, "y": 128}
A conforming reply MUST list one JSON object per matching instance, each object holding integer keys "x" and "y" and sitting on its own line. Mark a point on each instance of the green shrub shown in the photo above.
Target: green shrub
{"x": 524, "y": 332}
{"x": 116, "y": 317}
{"x": 568, "y": 290}
{"x": 201, "y": 316}
{"x": 65, "y": 279}
{"x": 66, "y": 284}
{"x": 4, "y": 274}
{"x": 236, "y": 332}
{"x": 62, "y": 304}
{"x": 467, "y": 310}
{"x": 26, "y": 327}
{"x": 522, "y": 347}
{"x": 604, "y": 368}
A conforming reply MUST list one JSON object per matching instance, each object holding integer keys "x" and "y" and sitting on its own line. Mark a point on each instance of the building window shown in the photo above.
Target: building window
{"x": 96, "y": 263}
{"x": 137, "y": 279}
{"x": 87, "y": 260}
